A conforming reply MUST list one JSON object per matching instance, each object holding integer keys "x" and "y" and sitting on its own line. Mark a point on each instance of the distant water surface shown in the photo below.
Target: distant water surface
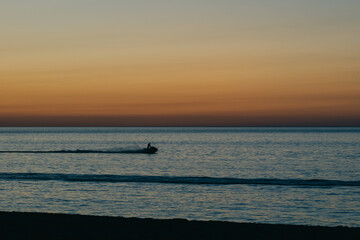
{"x": 270, "y": 175}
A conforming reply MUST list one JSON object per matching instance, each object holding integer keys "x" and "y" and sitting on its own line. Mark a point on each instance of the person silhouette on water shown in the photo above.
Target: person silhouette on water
{"x": 149, "y": 146}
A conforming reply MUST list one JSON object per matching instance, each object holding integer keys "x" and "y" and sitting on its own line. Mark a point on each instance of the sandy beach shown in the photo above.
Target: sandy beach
{"x": 17, "y": 225}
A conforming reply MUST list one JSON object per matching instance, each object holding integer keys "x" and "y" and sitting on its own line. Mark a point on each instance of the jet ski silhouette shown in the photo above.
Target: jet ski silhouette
{"x": 150, "y": 149}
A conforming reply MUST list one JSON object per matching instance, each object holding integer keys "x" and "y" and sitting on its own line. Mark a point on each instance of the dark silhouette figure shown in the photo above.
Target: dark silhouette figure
{"x": 149, "y": 146}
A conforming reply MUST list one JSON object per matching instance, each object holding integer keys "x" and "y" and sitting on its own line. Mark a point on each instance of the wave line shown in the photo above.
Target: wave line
{"x": 175, "y": 179}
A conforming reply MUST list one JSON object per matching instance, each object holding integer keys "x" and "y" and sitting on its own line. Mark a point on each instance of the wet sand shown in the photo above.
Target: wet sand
{"x": 17, "y": 225}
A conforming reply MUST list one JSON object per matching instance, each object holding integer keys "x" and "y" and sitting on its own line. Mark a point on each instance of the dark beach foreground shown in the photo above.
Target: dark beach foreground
{"x": 16, "y": 225}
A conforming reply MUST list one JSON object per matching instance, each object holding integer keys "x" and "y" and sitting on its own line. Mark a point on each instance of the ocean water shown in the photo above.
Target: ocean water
{"x": 305, "y": 176}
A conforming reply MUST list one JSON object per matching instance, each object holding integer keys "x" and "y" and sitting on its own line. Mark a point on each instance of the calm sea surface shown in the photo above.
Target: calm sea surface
{"x": 270, "y": 175}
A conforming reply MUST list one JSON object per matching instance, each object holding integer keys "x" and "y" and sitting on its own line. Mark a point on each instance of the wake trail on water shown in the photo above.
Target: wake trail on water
{"x": 174, "y": 180}
{"x": 129, "y": 149}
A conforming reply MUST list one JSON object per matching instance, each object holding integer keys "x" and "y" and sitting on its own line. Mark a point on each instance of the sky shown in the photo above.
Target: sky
{"x": 180, "y": 63}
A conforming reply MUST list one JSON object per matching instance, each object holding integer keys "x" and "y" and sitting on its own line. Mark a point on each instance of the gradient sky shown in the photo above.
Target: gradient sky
{"x": 180, "y": 63}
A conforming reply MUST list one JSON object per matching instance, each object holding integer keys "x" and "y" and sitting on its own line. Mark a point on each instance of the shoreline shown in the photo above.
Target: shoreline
{"x": 28, "y": 225}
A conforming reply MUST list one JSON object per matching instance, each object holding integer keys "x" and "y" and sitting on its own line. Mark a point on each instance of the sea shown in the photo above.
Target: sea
{"x": 286, "y": 175}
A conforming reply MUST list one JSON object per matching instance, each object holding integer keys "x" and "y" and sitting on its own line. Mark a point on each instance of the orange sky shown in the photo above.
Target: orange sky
{"x": 202, "y": 63}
